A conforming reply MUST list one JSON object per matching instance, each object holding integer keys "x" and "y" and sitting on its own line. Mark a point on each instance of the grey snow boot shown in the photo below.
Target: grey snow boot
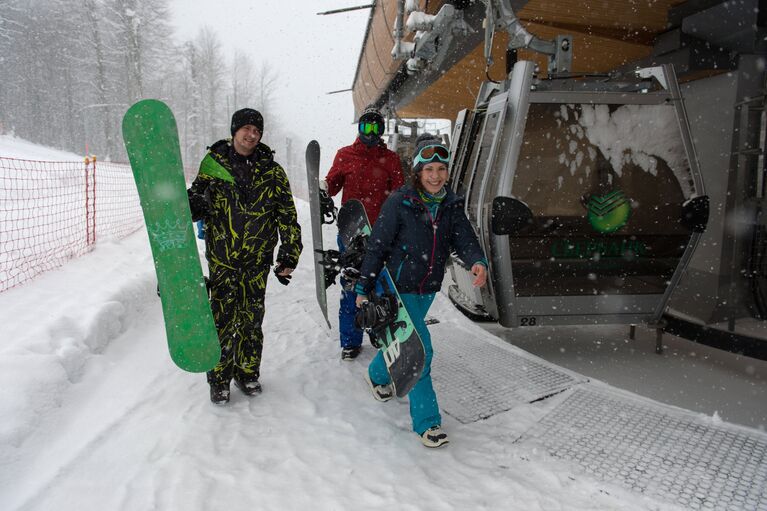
{"x": 434, "y": 437}
{"x": 382, "y": 393}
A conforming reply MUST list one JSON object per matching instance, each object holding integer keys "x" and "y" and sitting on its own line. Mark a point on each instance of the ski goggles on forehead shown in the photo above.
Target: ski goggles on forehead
{"x": 432, "y": 153}
{"x": 366, "y": 128}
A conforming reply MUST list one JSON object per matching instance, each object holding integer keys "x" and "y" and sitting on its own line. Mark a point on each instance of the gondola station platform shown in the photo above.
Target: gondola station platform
{"x": 605, "y": 434}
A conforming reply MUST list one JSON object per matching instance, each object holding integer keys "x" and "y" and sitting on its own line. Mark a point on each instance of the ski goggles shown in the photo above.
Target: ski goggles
{"x": 366, "y": 128}
{"x": 432, "y": 153}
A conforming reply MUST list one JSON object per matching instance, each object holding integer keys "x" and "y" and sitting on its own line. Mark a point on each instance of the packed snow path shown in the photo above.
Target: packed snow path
{"x": 96, "y": 417}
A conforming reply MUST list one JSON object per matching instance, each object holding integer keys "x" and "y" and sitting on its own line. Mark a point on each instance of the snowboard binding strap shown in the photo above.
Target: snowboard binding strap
{"x": 347, "y": 263}
{"x": 327, "y": 208}
{"x": 377, "y": 313}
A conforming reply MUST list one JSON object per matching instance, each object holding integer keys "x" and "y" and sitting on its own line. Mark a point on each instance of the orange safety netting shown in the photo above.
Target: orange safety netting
{"x": 52, "y": 211}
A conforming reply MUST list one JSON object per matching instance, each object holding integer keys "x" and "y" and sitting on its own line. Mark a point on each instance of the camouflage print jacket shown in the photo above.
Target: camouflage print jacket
{"x": 245, "y": 212}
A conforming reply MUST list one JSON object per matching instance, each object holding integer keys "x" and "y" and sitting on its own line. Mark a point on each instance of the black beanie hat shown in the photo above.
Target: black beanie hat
{"x": 247, "y": 116}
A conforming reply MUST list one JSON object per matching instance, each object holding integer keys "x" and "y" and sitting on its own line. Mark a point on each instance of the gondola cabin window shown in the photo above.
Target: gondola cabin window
{"x": 606, "y": 185}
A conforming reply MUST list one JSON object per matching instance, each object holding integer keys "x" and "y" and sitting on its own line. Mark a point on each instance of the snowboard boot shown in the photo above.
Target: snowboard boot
{"x": 249, "y": 388}
{"x": 350, "y": 353}
{"x": 382, "y": 393}
{"x": 219, "y": 393}
{"x": 434, "y": 437}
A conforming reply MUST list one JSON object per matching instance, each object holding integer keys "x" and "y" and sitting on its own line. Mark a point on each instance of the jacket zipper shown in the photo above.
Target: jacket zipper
{"x": 433, "y": 243}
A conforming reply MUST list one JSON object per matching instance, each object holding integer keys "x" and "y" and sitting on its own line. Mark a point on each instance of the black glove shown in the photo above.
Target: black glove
{"x": 284, "y": 279}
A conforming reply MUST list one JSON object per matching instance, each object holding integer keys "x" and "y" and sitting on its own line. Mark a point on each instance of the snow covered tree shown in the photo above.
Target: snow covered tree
{"x": 72, "y": 68}
{"x": 212, "y": 67}
{"x": 142, "y": 33}
{"x": 267, "y": 82}
{"x": 243, "y": 80}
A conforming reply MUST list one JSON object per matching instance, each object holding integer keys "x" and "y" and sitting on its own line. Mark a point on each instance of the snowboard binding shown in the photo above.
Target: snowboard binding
{"x": 377, "y": 313}
{"x": 347, "y": 264}
{"x": 331, "y": 261}
{"x": 327, "y": 208}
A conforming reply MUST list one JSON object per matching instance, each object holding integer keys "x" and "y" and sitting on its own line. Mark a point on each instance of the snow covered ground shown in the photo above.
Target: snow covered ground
{"x": 96, "y": 416}
{"x": 13, "y": 147}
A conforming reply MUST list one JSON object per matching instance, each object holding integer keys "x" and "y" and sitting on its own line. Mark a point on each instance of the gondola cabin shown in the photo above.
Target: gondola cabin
{"x": 586, "y": 196}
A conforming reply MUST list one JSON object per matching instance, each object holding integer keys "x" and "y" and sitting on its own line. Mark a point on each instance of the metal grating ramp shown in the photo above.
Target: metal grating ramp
{"x": 477, "y": 376}
{"x": 657, "y": 450}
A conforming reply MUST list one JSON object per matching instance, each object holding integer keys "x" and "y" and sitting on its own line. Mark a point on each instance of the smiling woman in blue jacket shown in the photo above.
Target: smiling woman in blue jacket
{"x": 417, "y": 229}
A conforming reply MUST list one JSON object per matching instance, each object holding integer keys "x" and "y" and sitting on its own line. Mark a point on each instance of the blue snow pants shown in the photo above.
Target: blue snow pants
{"x": 424, "y": 410}
{"x": 351, "y": 336}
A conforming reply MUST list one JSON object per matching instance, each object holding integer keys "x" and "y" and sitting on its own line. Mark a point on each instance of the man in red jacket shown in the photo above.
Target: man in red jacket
{"x": 366, "y": 171}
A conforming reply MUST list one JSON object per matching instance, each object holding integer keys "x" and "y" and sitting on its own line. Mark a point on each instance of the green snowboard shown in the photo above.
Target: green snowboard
{"x": 151, "y": 139}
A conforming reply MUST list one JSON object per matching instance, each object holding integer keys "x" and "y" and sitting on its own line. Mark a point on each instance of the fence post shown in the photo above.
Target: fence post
{"x": 87, "y": 203}
{"x": 90, "y": 199}
{"x": 93, "y": 218}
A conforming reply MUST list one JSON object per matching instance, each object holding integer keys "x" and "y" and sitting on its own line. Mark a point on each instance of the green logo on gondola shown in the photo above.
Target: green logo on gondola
{"x": 610, "y": 212}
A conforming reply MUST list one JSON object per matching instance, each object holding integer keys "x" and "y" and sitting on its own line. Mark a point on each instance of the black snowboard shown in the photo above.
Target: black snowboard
{"x": 399, "y": 341}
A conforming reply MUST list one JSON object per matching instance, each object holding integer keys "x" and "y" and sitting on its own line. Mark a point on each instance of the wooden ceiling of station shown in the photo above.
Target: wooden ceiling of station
{"x": 606, "y": 34}
{"x": 376, "y": 68}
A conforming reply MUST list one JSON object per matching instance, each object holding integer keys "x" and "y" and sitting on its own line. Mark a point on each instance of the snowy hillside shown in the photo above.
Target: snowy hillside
{"x": 12, "y": 147}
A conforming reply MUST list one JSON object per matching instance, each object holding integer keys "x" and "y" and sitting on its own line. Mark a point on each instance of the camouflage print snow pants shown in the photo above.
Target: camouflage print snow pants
{"x": 237, "y": 301}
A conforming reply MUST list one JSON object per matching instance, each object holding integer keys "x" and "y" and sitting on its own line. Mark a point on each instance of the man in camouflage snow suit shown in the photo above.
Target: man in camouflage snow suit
{"x": 244, "y": 197}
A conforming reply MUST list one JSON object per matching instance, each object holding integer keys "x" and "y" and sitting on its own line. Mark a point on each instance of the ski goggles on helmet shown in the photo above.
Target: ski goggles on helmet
{"x": 432, "y": 153}
{"x": 366, "y": 128}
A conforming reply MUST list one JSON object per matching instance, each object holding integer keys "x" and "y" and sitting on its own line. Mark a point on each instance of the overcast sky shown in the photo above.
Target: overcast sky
{"x": 312, "y": 54}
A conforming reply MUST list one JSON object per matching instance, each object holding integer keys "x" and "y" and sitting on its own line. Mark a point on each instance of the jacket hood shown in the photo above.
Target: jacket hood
{"x": 263, "y": 153}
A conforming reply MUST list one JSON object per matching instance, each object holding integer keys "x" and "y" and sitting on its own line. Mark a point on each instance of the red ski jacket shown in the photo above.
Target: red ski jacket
{"x": 367, "y": 174}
